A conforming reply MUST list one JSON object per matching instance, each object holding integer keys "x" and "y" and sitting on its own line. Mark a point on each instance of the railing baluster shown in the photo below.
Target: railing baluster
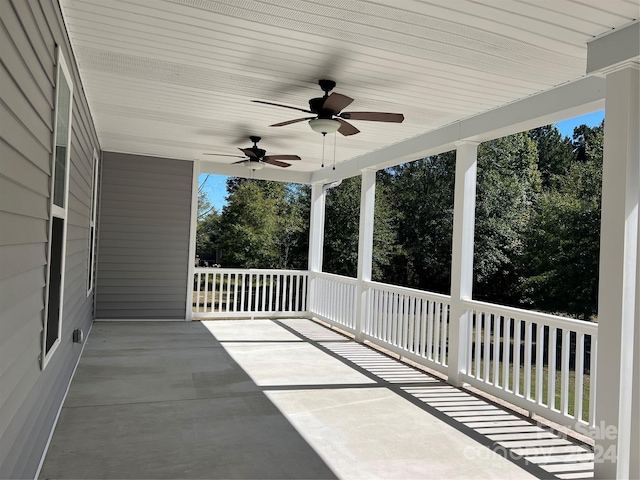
{"x": 443, "y": 333}
{"x": 527, "y": 360}
{"x": 228, "y": 291}
{"x": 289, "y": 303}
{"x": 432, "y": 312}
{"x": 424, "y": 307}
{"x": 198, "y": 293}
{"x": 551, "y": 367}
{"x": 507, "y": 353}
{"x": 496, "y": 349}
{"x": 539, "y": 362}
{"x": 579, "y": 372}
{"x": 477, "y": 371}
{"x": 414, "y": 324}
{"x": 517, "y": 341}
{"x": 235, "y": 292}
{"x": 436, "y": 335}
{"x": 564, "y": 387}
{"x": 486, "y": 346}
{"x": 593, "y": 353}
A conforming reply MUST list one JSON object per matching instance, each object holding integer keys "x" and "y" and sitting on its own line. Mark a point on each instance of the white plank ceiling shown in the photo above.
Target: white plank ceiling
{"x": 174, "y": 78}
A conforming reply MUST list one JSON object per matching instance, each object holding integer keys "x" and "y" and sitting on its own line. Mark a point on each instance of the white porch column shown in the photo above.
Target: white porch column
{"x": 316, "y": 240}
{"x": 365, "y": 246}
{"x": 617, "y": 387}
{"x": 193, "y": 228}
{"x": 464, "y": 214}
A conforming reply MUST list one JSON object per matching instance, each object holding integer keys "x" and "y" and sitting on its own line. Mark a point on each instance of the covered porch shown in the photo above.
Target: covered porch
{"x": 285, "y": 398}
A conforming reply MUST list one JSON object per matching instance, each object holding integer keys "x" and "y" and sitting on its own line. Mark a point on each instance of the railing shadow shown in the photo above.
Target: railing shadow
{"x": 535, "y": 448}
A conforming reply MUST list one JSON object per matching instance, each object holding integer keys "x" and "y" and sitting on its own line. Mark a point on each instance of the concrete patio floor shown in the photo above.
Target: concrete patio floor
{"x": 281, "y": 399}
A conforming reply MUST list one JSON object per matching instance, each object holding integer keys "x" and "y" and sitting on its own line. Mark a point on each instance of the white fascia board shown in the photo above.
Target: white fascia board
{"x": 616, "y": 48}
{"x": 267, "y": 173}
{"x": 569, "y": 100}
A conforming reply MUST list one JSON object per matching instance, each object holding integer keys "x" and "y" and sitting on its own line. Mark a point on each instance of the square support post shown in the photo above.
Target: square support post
{"x": 316, "y": 241}
{"x": 617, "y": 389}
{"x": 464, "y": 214}
{"x": 365, "y": 247}
{"x": 193, "y": 228}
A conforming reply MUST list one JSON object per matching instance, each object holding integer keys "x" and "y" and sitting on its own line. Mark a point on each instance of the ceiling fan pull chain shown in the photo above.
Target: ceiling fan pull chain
{"x": 323, "y": 137}
{"x": 335, "y": 136}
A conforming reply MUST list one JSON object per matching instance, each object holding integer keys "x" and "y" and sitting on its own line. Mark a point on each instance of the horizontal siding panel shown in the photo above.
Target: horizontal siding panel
{"x": 147, "y": 314}
{"x": 40, "y": 93}
{"x": 14, "y": 316}
{"x": 140, "y": 231}
{"x": 167, "y": 293}
{"x": 134, "y": 298}
{"x": 36, "y": 45}
{"x": 144, "y": 244}
{"x": 153, "y": 252}
{"x": 16, "y": 259}
{"x": 20, "y": 287}
{"x": 145, "y": 221}
{"x": 16, "y": 135}
{"x": 23, "y": 229}
{"x": 150, "y": 260}
{"x": 167, "y": 213}
{"x": 18, "y": 380}
{"x": 150, "y": 282}
{"x": 11, "y": 345}
{"x": 137, "y": 275}
{"x": 17, "y": 199}
{"x": 146, "y": 194}
{"x": 42, "y": 30}
{"x": 143, "y": 165}
{"x": 23, "y": 172}
{"x": 17, "y": 103}
{"x": 167, "y": 184}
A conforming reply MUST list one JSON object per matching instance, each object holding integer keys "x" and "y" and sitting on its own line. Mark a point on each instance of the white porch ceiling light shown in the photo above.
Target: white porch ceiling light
{"x": 253, "y": 165}
{"x": 324, "y": 125}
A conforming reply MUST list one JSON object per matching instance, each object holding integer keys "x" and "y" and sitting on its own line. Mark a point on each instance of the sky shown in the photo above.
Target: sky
{"x": 216, "y": 186}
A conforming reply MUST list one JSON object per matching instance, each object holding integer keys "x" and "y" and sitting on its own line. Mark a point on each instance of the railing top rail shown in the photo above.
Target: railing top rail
{"x": 248, "y": 270}
{"x": 338, "y": 278}
{"x": 581, "y": 326}
{"x": 409, "y": 291}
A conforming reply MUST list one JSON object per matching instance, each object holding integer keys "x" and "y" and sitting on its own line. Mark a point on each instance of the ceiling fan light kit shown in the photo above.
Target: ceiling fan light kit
{"x": 253, "y": 164}
{"x": 324, "y": 125}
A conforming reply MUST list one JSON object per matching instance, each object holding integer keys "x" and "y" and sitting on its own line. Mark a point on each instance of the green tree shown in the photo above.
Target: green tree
{"x": 507, "y": 187}
{"x": 564, "y": 239}
{"x": 341, "y": 228}
{"x": 248, "y": 228}
{"x": 555, "y": 153}
{"x": 421, "y": 197}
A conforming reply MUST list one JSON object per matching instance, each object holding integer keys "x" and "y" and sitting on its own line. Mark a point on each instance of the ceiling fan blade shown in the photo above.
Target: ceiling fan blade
{"x": 271, "y": 161}
{"x": 336, "y": 102}
{"x": 346, "y": 128}
{"x": 248, "y": 152}
{"x": 283, "y": 106}
{"x": 374, "y": 116}
{"x": 224, "y": 155}
{"x": 281, "y": 157}
{"x": 289, "y": 122}
{"x": 241, "y": 161}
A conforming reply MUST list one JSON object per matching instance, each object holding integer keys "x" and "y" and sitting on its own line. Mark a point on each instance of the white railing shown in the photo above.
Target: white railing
{"x": 409, "y": 322}
{"x": 335, "y": 300}
{"x": 543, "y": 363}
{"x": 232, "y": 293}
